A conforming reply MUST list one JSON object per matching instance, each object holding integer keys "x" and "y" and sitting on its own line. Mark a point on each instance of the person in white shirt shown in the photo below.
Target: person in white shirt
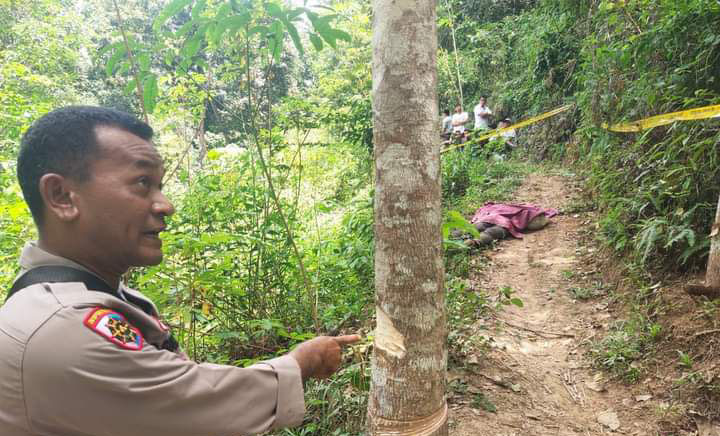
{"x": 459, "y": 119}
{"x": 482, "y": 115}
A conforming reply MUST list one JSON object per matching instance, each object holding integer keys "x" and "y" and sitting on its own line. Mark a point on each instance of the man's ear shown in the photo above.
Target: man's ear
{"x": 58, "y": 196}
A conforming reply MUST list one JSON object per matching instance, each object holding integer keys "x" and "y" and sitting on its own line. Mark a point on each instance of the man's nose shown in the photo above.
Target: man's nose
{"x": 162, "y": 206}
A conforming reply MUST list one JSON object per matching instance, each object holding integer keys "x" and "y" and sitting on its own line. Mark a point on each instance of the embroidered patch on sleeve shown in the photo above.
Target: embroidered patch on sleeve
{"x": 113, "y": 327}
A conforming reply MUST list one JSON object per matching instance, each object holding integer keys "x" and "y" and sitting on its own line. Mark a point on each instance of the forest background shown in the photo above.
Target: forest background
{"x": 263, "y": 113}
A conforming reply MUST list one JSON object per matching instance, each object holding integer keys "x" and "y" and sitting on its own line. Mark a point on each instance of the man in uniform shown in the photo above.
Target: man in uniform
{"x": 81, "y": 353}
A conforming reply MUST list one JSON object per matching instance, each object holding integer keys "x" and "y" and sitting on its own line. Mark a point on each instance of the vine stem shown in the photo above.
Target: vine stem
{"x": 457, "y": 61}
{"x": 133, "y": 65}
{"x": 308, "y": 287}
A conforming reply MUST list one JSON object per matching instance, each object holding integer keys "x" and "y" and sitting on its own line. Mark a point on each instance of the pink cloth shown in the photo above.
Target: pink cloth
{"x": 512, "y": 217}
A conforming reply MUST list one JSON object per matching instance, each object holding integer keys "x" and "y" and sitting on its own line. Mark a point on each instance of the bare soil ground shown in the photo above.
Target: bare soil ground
{"x": 536, "y": 378}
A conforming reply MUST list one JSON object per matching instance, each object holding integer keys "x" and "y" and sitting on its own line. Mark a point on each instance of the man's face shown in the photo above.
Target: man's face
{"x": 122, "y": 208}
{"x": 458, "y": 109}
{"x": 482, "y": 102}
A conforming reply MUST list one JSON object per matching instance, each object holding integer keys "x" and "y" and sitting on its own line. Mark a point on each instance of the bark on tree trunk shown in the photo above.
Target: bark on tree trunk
{"x": 407, "y": 396}
{"x": 711, "y": 287}
{"x": 712, "y": 276}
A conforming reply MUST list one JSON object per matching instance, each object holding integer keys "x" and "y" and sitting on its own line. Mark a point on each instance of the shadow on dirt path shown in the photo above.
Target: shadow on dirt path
{"x": 536, "y": 375}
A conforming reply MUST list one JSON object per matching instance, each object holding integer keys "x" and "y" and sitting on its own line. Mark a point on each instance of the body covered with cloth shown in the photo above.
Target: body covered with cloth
{"x": 514, "y": 218}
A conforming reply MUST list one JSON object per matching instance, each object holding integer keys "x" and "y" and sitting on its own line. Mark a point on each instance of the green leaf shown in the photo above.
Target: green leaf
{"x": 217, "y": 30}
{"x": 274, "y": 10}
{"x": 169, "y": 58}
{"x": 323, "y": 22}
{"x": 517, "y": 302}
{"x": 316, "y": 41}
{"x": 170, "y": 10}
{"x": 237, "y": 22}
{"x": 193, "y": 46}
{"x": 144, "y": 61}
{"x": 199, "y": 8}
{"x": 332, "y": 35}
{"x": 116, "y": 57}
{"x": 108, "y": 48}
{"x": 184, "y": 29}
{"x": 327, "y": 36}
{"x": 214, "y": 32}
{"x": 223, "y": 12}
{"x": 275, "y": 49}
{"x": 295, "y": 38}
{"x": 451, "y": 243}
{"x": 130, "y": 87}
{"x": 455, "y": 220}
{"x": 312, "y": 16}
{"x": 262, "y": 30}
{"x": 278, "y": 37}
{"x": 341, "y": 35}
{"x": 294, "y": 13}
{"x": 150, "y": 92}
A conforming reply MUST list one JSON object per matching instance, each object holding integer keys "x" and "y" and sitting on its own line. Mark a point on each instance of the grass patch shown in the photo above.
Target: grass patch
{"x": 627, "y": 343}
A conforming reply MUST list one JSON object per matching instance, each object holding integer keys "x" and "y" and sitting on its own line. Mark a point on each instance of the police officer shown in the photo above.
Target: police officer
{"x": 81, "y": 353}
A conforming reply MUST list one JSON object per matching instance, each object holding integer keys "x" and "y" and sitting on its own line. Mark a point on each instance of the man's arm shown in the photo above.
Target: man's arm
{"x": 91, "y": 383}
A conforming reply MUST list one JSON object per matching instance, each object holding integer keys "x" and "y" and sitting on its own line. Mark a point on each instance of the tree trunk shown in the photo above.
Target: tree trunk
{"x": 712, "y": 276}
{"x": 711, "y": 287}
{"x": 409, "y": 358}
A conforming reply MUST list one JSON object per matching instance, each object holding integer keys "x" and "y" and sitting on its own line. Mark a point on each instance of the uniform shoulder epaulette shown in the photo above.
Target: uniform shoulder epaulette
{"x": 115, "y": 328}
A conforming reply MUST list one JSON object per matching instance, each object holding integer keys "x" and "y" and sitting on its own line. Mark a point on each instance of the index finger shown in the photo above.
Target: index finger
{"x": 346, "y": 339}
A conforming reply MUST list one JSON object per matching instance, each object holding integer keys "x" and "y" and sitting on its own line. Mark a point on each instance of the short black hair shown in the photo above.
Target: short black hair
{"x": 63, "y": 142}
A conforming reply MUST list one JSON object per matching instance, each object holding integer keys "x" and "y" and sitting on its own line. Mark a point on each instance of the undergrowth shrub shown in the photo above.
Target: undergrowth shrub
{"x": 471, "y": 177}
{"x": 657, "y": 189}
{"x": 627, "y": 342}
{"x": 230, "y": 283}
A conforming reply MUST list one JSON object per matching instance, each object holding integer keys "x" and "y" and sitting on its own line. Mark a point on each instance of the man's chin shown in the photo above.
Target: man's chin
{"x": 148, "y": 259}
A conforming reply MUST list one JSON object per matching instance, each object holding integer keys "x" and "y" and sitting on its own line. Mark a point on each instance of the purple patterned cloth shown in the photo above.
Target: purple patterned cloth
{"x": 512, "y": 217}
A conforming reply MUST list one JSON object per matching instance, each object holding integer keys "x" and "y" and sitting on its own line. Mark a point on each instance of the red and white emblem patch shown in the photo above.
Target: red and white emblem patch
{"x": 113, "y": 327}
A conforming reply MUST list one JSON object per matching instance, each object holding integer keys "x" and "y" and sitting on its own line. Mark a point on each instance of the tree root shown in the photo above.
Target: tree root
{"x": 701, "y": 289}
{"x": 537, "y": 332}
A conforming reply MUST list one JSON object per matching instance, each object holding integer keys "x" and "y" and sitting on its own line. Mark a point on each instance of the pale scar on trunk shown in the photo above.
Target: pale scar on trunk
{"x": 387, "y": 337}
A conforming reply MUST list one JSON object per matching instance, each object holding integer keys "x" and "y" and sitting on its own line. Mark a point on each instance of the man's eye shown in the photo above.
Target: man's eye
{"x": 144, "y": 181}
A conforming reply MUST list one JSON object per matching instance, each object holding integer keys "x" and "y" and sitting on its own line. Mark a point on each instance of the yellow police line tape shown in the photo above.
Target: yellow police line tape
{"x": 527, "y": 122}
{"x": 661, "y": 120}
{"x": 634, "y": 126}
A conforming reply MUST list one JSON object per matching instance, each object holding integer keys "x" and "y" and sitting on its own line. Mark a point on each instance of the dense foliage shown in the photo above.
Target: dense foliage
{"x": 263, "y": 112}
{"x": 616, "y": 60}
{"x": 659, "y": 189}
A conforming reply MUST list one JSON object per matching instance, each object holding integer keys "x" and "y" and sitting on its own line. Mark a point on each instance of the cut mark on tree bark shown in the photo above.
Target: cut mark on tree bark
{"x": 387, "y": 337}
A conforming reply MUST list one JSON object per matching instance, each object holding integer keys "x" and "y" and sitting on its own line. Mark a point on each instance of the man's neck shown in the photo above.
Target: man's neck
{"x": 112, "y": 278}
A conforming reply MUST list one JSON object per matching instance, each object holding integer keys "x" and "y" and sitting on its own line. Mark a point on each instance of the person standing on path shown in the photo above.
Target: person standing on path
{"x": 83, "y": 354}
{"x": 482, "y": 115}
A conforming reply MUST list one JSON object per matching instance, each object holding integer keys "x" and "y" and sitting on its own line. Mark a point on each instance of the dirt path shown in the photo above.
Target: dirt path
{"x": 536, "y": 373}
